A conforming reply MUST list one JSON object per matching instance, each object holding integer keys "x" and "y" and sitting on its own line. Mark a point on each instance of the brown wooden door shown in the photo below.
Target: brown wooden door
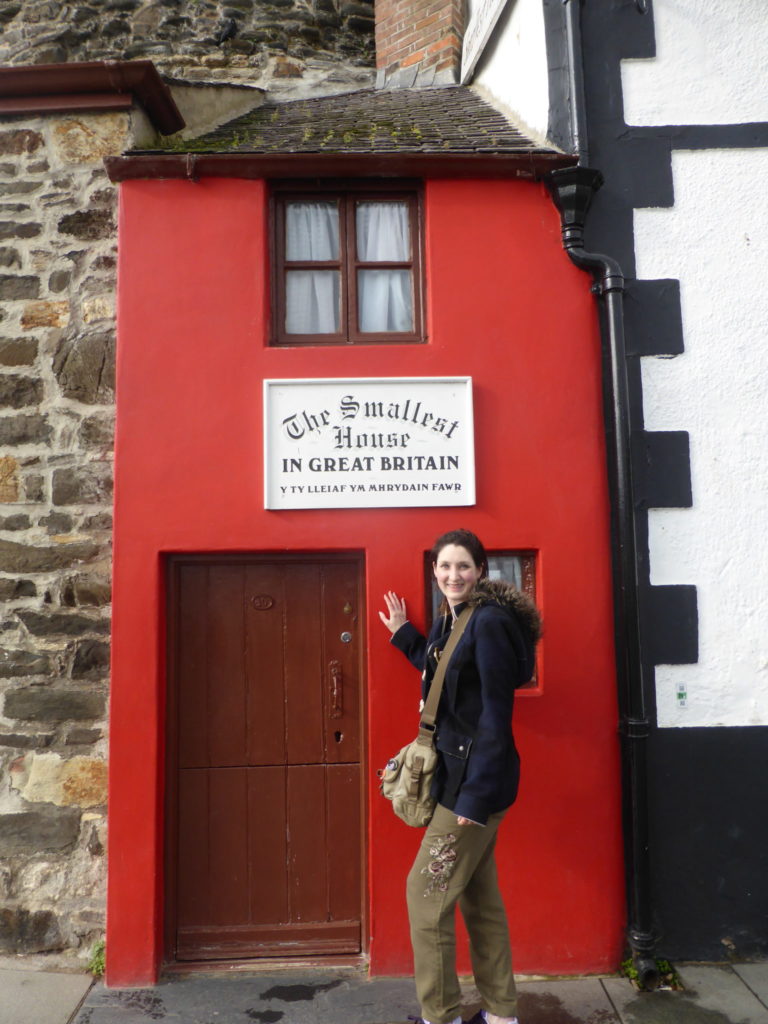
{"x": 265, "y": 849}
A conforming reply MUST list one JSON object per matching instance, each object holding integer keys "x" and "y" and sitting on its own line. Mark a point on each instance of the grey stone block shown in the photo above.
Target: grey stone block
{"x": 83, "y": 485}
{"x": 16, "y": 430}
{"x": 91, "y": 660}
{"x": 22, "y": 741}
{"x": 88, "y": 591}
{"x": 18, "y": 351}
{"x": 61, "y": 623}
{"x": 43, "y": 704}
{"x": 98, "y": 432}
{"x": 12, "y": 229}
{"x": 55, "y": 828}
{"x": 29, "y": 931}
{"x": 12, "y": 589}
{"x": 85, "y": 368}
{"x": 9, "y": 257}
{"x": 27, "y": 558}
{"x": 17, "y": 522}
{"x": 17, "y": 391}
{"x": 20, "y": 140}
{"x": 83, "y": 737}
{"x": 57, "y": 522}
{"x": 14, "y": 287}
{"x": 88, "y": 225}
{"x": 23, "y": 663}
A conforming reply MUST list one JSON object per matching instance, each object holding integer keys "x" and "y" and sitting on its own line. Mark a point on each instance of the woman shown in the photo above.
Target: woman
{"x": 476, "y": 779}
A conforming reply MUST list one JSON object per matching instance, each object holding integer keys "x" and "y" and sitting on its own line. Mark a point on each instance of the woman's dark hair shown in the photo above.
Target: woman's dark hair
{"x": 465, "y": 539}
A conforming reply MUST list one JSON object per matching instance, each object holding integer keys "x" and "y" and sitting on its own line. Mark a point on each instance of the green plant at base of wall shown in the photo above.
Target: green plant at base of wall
{"x": 97, "y": 963}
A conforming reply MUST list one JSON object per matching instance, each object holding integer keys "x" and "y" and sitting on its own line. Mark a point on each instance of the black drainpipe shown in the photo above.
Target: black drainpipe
{"x": 572, "y": 190}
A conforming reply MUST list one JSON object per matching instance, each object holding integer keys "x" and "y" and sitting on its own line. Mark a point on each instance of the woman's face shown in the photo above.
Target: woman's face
{"x": 456, "y": 573}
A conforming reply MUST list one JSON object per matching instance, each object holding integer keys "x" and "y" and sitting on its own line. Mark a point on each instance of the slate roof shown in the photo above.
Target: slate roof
{"x": 448, "y": 120}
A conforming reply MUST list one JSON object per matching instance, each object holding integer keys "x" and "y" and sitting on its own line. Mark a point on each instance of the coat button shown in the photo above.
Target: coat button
{"x": 461, "y": 748}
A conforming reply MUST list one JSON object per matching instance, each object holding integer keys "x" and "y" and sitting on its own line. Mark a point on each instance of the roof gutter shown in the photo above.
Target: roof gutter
{"x": 191, "y": 166}
{"x": 90, "y": 86}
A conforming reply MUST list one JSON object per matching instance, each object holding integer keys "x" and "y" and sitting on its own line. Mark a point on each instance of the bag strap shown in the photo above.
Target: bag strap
{"x": 429, "y": 712}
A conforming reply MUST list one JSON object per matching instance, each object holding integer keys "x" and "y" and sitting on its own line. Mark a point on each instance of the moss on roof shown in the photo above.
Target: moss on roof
{"x": 446, "y": 120}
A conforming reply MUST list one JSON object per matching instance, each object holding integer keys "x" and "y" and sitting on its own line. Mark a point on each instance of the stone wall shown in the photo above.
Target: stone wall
{"x": 248, "y": 41}
{"x": 57, "y": 287}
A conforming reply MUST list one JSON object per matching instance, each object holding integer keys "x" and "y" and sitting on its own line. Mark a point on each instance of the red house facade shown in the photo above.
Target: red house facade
{"x": 254, "y": 692}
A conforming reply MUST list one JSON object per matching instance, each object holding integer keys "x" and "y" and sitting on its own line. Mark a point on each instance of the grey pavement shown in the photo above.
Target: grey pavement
{"x": 712, "y": 994}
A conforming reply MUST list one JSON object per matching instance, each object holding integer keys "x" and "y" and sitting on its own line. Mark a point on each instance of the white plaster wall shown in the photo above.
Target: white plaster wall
{"x": 709, "y": 66}
{"x": 513, "y": 68}
{"x": 714, "y": 240}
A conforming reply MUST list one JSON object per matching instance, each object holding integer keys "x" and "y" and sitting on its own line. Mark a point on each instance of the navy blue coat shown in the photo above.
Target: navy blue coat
{"x": 478, "y": 765}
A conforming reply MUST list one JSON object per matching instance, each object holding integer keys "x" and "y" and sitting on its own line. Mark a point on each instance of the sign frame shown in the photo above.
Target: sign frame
{"x": 368, "y": 442}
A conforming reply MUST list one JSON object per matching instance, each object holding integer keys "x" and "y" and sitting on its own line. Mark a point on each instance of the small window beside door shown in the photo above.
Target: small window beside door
{"x": 347, "y": 267}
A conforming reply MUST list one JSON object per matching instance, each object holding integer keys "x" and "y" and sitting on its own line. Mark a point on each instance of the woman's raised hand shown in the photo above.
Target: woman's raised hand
{"x": 396, "y": 616}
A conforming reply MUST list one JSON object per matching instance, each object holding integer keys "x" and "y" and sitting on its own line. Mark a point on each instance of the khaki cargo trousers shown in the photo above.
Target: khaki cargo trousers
{"x": 455, "y": 864}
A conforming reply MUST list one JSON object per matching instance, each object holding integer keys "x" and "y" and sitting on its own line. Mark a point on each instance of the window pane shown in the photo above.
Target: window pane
{"x": 383, "y": 232}
{"x": 311, "y": 231}
{"x": 385, "y": 298}
{"x": 312, "y": 302}
{"x": 506, "y": 567}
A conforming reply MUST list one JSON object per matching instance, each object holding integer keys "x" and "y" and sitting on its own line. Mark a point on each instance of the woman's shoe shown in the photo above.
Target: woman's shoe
{"x": 480, "y": 1019}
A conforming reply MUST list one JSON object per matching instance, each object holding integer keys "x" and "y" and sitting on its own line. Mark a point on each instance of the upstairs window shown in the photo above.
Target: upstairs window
{"x": 347, "y": 267}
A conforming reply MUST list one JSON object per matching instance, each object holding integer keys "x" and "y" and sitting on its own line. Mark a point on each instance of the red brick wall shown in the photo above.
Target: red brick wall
{"x": 423, "y": 32}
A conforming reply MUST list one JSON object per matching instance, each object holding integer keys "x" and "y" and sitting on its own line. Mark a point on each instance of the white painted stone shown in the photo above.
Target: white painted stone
{"x": 716, "y": 391}
{"x": 513, "y": 69}
{"x": 709, "y": 66}
{"x": 100, "y": 307}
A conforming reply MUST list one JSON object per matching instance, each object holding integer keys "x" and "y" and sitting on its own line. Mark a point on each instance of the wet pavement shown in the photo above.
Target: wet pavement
{"x": 712, "y": 994}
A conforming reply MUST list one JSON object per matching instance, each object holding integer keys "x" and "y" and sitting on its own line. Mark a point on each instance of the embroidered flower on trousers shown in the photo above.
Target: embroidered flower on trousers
{"x": 440, "y": 868}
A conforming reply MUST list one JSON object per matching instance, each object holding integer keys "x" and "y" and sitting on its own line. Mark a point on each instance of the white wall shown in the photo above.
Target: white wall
{"x": 714, "y": 240}
{"x": 513, "y": 68}
{"x": 709, "y": 67}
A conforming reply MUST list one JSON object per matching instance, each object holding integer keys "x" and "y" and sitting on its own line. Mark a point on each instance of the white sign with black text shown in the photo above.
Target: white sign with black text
{"x": 482, "y": 21}
{"x": 368, "y": 442}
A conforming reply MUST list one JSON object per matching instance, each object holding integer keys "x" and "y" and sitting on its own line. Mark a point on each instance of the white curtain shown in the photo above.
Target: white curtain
{"x": 385, "y": 297}
{"x": 312, "y": 296}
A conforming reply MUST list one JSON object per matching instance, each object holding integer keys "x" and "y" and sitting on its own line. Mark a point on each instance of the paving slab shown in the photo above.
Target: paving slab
{"x": 712, "y": 995}
{"x": 306, "y": 998}
{"x": 755, "y": 976}
{"x": 40, "y": 997}
{"x": 323, "y": 998}
{"x": 576, "y": 1001}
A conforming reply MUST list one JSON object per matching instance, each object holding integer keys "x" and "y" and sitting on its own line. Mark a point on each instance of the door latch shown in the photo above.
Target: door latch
{"x": 336, "y": 680}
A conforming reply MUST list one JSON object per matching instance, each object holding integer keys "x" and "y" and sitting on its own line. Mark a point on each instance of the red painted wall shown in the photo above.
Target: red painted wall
{"x": 505, "y": 306}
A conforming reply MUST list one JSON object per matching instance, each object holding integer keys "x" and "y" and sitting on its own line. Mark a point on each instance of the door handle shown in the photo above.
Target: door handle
{"x": 336, "y": 688}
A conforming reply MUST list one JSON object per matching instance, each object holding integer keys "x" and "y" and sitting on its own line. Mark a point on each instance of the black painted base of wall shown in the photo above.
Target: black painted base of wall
{"x": 709, "y": 842}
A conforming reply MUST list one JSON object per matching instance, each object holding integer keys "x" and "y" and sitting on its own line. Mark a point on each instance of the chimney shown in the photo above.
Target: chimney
{"x": 418, "y": 42}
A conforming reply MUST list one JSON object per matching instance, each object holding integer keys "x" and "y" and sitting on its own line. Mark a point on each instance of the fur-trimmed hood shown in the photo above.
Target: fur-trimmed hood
{"x": 508, "y": 596}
